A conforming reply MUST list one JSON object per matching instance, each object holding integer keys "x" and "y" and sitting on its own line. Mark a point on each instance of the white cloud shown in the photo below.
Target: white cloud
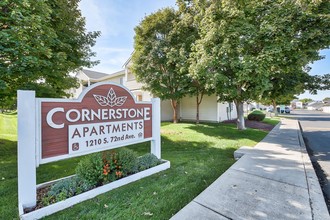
{"x": 116, "y": 21}
{"x": 111, "y": 59}
{"x": 100, "y": 16}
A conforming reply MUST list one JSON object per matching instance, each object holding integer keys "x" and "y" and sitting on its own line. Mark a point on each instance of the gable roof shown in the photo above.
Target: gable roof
{"x": 93, "y": 75}
{"x": 110, "y": 76}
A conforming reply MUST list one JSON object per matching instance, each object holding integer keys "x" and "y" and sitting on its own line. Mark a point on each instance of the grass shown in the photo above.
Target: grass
{"x": 199, "y": 154}
{"x": 271, "y": 121}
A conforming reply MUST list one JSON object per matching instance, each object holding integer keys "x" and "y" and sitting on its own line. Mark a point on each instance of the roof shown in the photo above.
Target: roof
{"x": 128, "y": 60}
{"x": 316, "y": 105}
{"x": 112, "y": 75}
{"x": 93, "y": 75}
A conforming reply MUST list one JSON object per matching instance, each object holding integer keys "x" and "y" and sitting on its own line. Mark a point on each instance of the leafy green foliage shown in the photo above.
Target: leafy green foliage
{"x": 90, "y": 169}
{"x": 306, "y": 100}
{"x": 256, "y": 116}
{"x": 41, "y": 42}
{"x": 127, "y": 160}
{"x": 100, "y": 168}
{"x": 66, "y": 188}
{"x": 146, "y": 161}
{"x": 250, "y": 48}
{"x": 160, "y": 60}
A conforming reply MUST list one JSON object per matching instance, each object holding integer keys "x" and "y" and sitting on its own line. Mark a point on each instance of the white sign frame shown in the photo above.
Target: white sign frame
{"x": 29, "y": 141}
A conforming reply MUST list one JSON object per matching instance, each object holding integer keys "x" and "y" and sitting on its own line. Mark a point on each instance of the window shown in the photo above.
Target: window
{"x": 139, "y": 97}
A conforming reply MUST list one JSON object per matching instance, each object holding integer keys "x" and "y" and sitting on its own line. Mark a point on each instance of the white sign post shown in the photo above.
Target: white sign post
{"x": 105, "y": 116}
{"x": 155, "y": 143}
{"x": 26, "y": 149}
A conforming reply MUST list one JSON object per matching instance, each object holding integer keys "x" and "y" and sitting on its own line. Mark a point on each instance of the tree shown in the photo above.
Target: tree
{"x": 191, "y": 15}
{"x": 326, "y": 100}
{"x": 285, "y": 87}
{"x": 306, "y": 100}
{"x": 160, "y": 58}
{"x": 41, "y": 42}
{"x": 244, "y": 45}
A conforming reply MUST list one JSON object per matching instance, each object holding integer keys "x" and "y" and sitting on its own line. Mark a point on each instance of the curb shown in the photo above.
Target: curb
{"x": 316, "y": 198}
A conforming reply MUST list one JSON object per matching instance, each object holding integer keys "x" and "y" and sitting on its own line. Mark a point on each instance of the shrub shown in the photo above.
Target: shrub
{"x": 127, "y": 159}
{"x": 66, "y": 188}
{"x": 256, "y": 116}
{"x": 118, "y": 164}
{"x": 146, "y": 161}
{"x": 90, "y": 169}
{"x": 108, "y": 166}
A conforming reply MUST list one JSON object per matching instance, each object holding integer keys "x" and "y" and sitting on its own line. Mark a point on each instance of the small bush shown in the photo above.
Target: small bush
{"x": 66, "y": 188}
{"x": 127, "y": 159}
{"x": 90, "y": 169}
{"x": 118, "y": 164}
{"x": 256, "y": 116}
{"x": 108, "y": 166}
{"x": 146, "y": 161}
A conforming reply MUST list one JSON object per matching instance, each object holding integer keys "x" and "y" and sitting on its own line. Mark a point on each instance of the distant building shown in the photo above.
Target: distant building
{"x": 210, "y": 109}
{"x": 315, "y": 106}
{"x": 89, "y": 77}
{"x": 296, "y": 104}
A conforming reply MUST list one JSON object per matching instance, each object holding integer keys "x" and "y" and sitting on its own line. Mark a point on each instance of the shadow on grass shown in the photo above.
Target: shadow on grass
{"x": 10, "y": 113}
{"x": 228, "y": 131}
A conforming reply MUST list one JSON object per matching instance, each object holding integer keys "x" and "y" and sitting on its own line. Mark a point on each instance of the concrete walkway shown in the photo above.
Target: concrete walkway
{"x": 273, "y": 180}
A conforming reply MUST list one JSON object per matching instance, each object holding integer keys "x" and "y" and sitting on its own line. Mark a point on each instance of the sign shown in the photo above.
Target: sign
{"x": 106, "y": 116}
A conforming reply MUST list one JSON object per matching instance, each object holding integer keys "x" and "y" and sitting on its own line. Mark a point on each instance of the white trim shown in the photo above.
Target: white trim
{"x": 48, "y": 210}
{"x": 52, "y": 181}
{"x": 127, "y": 61}
{"x": 85, "y": 74}
{"x": 38, "y": 132}
{"x": 110, "y": 76}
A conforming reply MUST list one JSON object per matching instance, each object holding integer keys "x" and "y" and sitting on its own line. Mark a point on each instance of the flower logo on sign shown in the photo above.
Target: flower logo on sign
{"x": 111, "y": 99}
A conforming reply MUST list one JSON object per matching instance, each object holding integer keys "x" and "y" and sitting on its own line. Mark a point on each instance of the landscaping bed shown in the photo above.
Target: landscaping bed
{"x": 266, "y": 125}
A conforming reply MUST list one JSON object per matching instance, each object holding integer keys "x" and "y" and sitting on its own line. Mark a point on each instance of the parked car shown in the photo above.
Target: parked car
{"x": 287, "y": 109}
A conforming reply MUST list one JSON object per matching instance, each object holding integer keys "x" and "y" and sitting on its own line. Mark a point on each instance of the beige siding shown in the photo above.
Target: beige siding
{"x": 114, "y": 79}
{"x": 130, "y": 76}
{"x": 166, "y": 110}
{"x": 225, "y": 113}
{"x": 82, "y": 79}
{"x": 133, "y": 85}
{"x": 326, "y": 109}
{"x": 207, "y": 109}
{"x": 143, "y": 94}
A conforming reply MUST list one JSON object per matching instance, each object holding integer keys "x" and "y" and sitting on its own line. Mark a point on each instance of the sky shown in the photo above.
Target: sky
{"x": 116, "y": 20}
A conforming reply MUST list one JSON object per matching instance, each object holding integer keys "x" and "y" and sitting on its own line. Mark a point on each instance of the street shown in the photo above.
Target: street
{"x": 315, "y": 126}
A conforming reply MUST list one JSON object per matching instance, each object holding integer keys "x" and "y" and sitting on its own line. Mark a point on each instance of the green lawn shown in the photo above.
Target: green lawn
{"x": 271, "y": 121}
{"x": 198, "y": 153}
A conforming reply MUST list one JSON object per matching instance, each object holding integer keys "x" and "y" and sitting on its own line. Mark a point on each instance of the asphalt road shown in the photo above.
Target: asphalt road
{"x": 316, "y": 132}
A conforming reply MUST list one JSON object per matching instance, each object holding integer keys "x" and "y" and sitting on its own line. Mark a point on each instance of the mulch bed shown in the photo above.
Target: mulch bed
{"x": 254, "y": 124}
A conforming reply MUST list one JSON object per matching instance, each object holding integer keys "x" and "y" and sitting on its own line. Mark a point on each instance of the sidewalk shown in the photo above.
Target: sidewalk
{"x": 273, "y": 180}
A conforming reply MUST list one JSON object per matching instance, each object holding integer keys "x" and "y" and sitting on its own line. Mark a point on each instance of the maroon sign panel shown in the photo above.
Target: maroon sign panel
{"x": 105, "y": 117}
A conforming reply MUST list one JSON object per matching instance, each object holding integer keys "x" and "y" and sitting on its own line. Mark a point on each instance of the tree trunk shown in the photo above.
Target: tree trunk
{"x": 197, "y": 110}
{"x": 198, "y": 102}
{"x": 174, "y": 105}
{"x": 274, "y": 108}
{"x": 240, "y": 115}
